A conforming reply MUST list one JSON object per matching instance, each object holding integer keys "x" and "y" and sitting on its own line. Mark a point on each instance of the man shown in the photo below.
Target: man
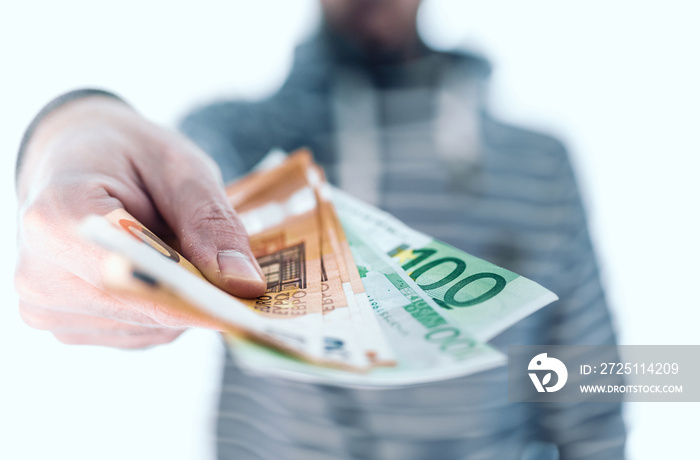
{"x": 393, "y": 122}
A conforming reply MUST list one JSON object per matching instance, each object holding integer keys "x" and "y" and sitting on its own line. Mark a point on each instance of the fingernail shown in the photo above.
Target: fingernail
{"x": 236, "y": 265}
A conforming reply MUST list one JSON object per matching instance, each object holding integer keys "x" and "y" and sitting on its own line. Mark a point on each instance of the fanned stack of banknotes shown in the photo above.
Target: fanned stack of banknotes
{"x": 354, "y": 297}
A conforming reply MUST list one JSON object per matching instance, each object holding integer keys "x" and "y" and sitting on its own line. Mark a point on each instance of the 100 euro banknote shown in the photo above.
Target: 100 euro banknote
{"x": 484, "y": 298}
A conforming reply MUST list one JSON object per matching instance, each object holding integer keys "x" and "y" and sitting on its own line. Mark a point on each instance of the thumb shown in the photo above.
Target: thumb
{"x": 189, "y": 194}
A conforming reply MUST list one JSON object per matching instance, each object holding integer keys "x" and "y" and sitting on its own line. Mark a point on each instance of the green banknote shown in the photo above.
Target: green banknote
{"x": 481, "y": 297}
{"x": 428, "y": 345}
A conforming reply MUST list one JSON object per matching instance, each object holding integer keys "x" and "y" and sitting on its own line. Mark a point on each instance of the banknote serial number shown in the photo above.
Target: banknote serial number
{"x": 630, "y": 368}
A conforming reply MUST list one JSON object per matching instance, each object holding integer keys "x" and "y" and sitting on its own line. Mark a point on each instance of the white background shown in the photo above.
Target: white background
{"x": 618, "y": 80}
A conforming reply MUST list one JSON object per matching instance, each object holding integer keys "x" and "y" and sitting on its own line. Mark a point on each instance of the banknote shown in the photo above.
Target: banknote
{"x": 428, "y": 345}
{"x": 283, "y": 202}
{"x": 281, "y": 218}
{"x": 484, "y": 298}
{"x": 262, "y": 197}
{"x": 342, "y": 331}
{"x": 422, "y": 334}
{"x": 379, "y": 350}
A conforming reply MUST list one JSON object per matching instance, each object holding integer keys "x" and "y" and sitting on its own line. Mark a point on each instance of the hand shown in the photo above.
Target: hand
{"x": 94, "y": 155}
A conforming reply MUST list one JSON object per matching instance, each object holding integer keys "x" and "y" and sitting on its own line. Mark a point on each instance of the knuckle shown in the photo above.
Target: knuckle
{"x": 169, "y": 155}
{"x": 79, "y": 339}
{"x": 35, "y": 216}
{"x": 211, "y": 165}
{"x": 169, "y": 337}
{"x": 26, "y": 286}
{"x": 34, "y": 319}
{"x": 37, "y": 228}
{"x": 67, "y": 339}
{"x": 163, "y": 336}
{"x": 48, "y": 217}
{"x": 47, "y": 204}
{"x": 21, "y": 283}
